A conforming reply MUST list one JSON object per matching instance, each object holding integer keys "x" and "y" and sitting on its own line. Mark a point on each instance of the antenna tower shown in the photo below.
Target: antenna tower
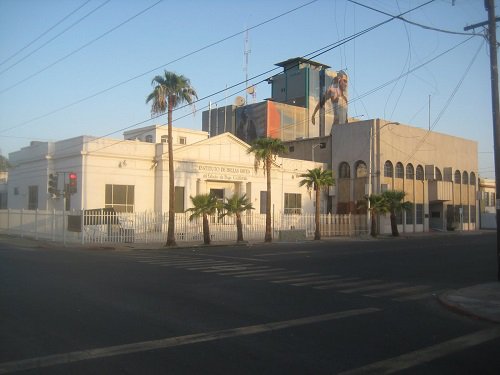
{"x": 246, "y": 52}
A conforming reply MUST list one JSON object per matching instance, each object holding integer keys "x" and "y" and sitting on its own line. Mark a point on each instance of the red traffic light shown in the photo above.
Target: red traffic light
{"x": 72, "y": 179}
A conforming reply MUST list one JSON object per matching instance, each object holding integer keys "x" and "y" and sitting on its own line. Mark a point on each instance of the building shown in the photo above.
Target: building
{"x": 131, "y": 175}
{"x": 295, "y": 93}
{"x": 487, "y": 199}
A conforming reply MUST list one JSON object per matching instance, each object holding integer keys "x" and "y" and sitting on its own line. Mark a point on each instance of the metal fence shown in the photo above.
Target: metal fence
{"x": 107, "y": 226}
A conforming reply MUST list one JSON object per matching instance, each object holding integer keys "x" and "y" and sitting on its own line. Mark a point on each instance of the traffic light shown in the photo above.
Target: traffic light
{"x": 72, "y": 183}
{"x": 52, "y": 189}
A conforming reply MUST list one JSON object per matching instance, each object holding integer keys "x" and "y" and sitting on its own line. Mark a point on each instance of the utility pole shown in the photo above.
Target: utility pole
{"x": 492, "y": 38}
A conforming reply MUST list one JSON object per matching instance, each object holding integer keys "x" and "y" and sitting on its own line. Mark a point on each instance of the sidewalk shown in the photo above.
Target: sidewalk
{"x": 480, "y": 301}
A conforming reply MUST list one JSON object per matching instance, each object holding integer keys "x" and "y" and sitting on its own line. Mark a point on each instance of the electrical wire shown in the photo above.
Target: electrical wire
{"x": 44, "y": 33}
{"x": 79, "y": 48}
{"x": 157, "y": 68}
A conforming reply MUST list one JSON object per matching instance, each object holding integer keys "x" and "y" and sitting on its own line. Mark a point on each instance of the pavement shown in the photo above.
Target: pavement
{"x": 480, "y": 301}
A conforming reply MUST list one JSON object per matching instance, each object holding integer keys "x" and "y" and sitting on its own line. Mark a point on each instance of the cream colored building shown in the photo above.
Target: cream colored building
{"x": 131, "y": 175}
{"x": 438, "y": 173}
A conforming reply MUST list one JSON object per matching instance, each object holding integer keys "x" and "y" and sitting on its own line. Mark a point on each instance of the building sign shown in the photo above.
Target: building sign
{"x": 212, "y": 172}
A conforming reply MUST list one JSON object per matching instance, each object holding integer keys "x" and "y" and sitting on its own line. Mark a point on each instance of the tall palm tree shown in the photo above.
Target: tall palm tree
{"x": 395, "y": 205}
{"x": 317, "y": 179}
{"x": 236, "y": 205}
{"x": 378, "y": 205}
{"x": 204, "y": 205}
{"x": 170, "y": 90}
{"x": 266, "y": 150}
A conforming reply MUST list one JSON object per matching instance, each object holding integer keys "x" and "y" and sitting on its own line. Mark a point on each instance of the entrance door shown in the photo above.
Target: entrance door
{"x": 219, "y": 194}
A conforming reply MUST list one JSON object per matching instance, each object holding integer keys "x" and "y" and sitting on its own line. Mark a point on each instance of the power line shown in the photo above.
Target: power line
{"x": 79, "y": 48}
{"x": 44, "y": 33}
{"x": 156, "y": 68}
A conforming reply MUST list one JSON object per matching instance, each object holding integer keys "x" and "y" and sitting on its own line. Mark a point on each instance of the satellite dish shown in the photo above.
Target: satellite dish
{"x": 239, "y": 101}
{"x": 251, "y": 90}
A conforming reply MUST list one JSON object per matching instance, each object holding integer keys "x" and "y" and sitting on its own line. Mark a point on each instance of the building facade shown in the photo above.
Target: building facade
{"x": 132, "y": 175}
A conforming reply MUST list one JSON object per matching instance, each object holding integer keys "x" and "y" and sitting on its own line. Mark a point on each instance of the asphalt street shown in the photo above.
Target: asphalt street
{"x": 328, "y": 307}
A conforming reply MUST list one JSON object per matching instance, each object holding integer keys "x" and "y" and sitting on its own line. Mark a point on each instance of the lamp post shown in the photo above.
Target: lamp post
{"x": 370, "y": 162}
{"x": 320, "y": 145}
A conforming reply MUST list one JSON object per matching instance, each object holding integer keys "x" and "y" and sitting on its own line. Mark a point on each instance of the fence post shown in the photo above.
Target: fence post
{"x": 53, "y": 228}
{"x": 82, "y": 226}
{"x": 8, "y": 220}
{"x": 21, "y": 222}
{"x": 36, "y": 224}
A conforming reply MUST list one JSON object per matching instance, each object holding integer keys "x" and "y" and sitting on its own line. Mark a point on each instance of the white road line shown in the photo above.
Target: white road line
{"x": 408, "y": 290}
{"x": 306, "y": 278}
{"x": 249, "y": 270}
{"x": 144, "y": 346}
{"x": 417, "y": 357}
{"x": 283, "y": 253}
{"x": 285, "y": 275}
{"x": 192, "y": 261}
{"x": 372, "y": 287}
{"x": 261, "y": 273}
{"x": 336, "y": 284}
{"x": 228, "y": 267}
{"x": 318, "y": 282}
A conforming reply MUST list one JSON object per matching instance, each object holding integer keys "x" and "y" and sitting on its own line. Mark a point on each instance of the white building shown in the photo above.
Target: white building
{"x": 131, "y": 175}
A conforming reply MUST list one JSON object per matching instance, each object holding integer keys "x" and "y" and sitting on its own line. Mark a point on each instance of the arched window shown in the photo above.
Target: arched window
{"x": 472, "y": 179}
{"x": 420, "y": 173}
{"x": 458, "y": 177}
{"x": 465, "y": 178}
{"x": 361, "y": 169}
{"x": 410, "y": 171}
{"x": 344, "y": 170}
{"x": 388, "y": 169}
{"x": 400, "y": 170}
{"x": 438, "y": 175}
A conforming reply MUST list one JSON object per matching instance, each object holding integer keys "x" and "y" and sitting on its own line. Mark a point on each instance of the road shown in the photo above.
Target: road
{"x": 327, "y": 307}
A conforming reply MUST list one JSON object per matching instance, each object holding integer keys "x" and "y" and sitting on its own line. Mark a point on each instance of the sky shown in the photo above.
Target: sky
{"x": 84, "y": 67}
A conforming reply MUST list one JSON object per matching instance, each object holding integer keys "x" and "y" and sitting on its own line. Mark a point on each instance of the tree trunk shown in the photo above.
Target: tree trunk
{"x": 239, "y": 228}
{"x": 268, "y": 236}
{"x": 206, "y": 230}
{"x": 317, "y": 229}
{"x": 171, "y": 182}
{"x": 394, "y": 226}
{"x": 373, "y": 229}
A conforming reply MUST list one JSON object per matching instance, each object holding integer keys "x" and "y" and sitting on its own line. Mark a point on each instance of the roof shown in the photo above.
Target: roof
{"x": 297, "y": 60}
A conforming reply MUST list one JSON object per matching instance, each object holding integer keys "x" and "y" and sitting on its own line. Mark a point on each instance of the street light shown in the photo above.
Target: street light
{"x": 371, "y": 148}
{"x": 321, "y": 145}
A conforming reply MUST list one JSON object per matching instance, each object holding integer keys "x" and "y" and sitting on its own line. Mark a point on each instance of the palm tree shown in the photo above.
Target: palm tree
{"x": 203, "y": 205}
{"x": 395, "y": 204}
{"x": 235, "y": 206}
{"x": 378, "y": 205}
{"x": 317, "y": 179}
{"x": 170, "y": 90}
{"x": 266, "y": 150}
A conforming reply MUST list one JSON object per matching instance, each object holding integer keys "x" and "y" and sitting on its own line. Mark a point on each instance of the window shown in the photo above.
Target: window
{"x": 458, "y": 177}
{"x": 465, "y": 212}
{"x": 400, "y": 171}
{"x": 263, "y": 201}
{"x": 472, "y": 214}
{"x": 472, "y": 179}
{"x": 344, "y": 170}
{"x": 149, "y": 138}
{"x": 179, "y": 199}
{"x": 438, "y": 175}
{"x": 182, "y": 140}
{"x": 291, "y": 149}
{"x": 465, "y": 178}
{"x": 388, "y": 169}
{"x": 120, "y": 197}
{"x": 16, "y": 191}
{"x": 32, "y": 197}
{"x": 420, "y": 213}
{"x": 409, "y": 215}
{"x": 399, "y": 217}
{"x": 361, "y": 170}
{"x": 164, "y": 139}
{"x": 410, "y": 171}
{"x": 419, "y": 175}
{"x": 293, "y": 203}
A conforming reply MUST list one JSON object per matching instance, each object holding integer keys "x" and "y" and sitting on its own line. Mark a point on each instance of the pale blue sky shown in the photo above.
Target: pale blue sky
{"x": 62, "y": 73}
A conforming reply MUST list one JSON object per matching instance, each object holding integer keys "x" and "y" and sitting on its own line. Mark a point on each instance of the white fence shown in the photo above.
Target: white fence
{"x": 101, "y": 226}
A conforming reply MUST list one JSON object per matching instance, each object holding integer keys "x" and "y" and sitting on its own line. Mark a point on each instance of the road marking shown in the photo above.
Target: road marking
{"x": 316, "y": 282}
{"x": 306, "y": 278}
{"x": 261, "y": 273}
{"x": 144, "y": 346}
{"x": 283, "y": 253}
{"x": 231, "y": 257}
{"x": 421, "y": 295}
{"x": 428, "y": 354}
{"x": 337, "y": 284}
{"x": 372, "y": 287}
{"x": 229, "y": 267}
{"x": 286, "y": 275}
{"x": 410, "y": 289}
{"x": 249, "y": 270}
